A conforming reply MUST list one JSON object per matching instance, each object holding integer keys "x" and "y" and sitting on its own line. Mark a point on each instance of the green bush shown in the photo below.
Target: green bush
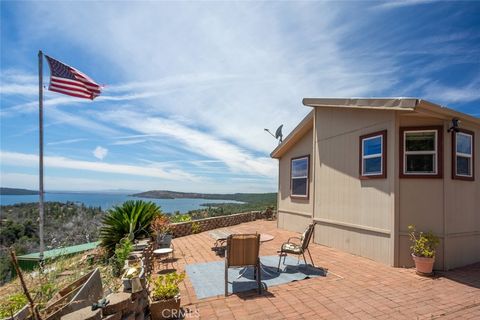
{"x": 178, "y": 217}
{"x": 423, "y": 244}
{"x": 46, "y": 290}
{"x": 123, "y": 250}
{"x": 132, "y": 220}
{"x": 12, "y": 305}
{"x": 166, "y": 286}
{"x": 196, "y": 227}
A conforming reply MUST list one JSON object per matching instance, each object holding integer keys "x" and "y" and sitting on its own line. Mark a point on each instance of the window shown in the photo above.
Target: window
{"x": 373, "y": 155}
{"x": 421, "y": 155}
{"x": 462, "y": 155}
{"x": 299, "y": 177}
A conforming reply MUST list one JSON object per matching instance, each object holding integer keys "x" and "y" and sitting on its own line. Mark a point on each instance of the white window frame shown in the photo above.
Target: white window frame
{"x": 376, "y": 155}
{"x": 465, "y": 155}
{"x": 307, "y": 158}
{"x": 434, "y": 152}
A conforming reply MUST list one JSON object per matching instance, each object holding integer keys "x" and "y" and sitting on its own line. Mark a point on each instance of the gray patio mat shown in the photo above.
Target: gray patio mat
{"x": 208, "y": 278}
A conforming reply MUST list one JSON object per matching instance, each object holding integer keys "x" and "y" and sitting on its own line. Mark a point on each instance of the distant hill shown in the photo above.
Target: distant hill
{"x": 165, "y": 194}
{"x": 16, "y": 191}
{"x": 248, "y": 201}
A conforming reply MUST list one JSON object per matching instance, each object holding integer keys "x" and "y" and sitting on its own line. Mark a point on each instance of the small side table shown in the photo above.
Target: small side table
{"x": 164, "y": 252}
{"x": 264, "y": 237}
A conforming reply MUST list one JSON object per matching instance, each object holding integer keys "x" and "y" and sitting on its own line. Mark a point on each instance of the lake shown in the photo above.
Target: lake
{"x": 108, "y": 200}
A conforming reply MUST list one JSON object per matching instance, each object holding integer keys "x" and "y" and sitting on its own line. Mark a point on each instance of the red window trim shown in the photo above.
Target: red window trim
{"x": 454, "y": 155}
{"x": 383, "y": 175}
{"x": 308, "y": 178}
{"x": 439, "y": 174}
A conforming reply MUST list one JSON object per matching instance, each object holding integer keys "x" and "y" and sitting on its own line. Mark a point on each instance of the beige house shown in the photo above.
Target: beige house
{"x": 365, "y": 169}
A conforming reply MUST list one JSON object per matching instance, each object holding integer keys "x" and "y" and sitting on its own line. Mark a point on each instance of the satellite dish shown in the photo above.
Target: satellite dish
{"x": 278, "y": 133}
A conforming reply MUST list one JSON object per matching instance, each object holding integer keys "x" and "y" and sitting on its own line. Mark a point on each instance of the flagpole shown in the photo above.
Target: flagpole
{"x": 40, "y": 182}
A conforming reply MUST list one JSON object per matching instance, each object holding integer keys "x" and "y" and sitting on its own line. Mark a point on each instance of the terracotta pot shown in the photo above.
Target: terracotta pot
{"x": 165, "y": 309}
{"x": 424, "y": 266}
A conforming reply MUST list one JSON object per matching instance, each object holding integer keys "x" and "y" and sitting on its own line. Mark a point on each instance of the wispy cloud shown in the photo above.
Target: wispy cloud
{"x": 77, "y": 120}
{"x": 402, "y": 3}
{"x": 17, "y": 82}
{"x": 31, "y": 160}
{"x": 196, "y": 141}
{"x": 447, "y": 94}
{"x": 127, "y": 142}
{"x": 66, "y": 141}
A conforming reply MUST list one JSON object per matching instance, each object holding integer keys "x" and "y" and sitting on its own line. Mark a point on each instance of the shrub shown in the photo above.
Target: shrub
{"x": 46, "y": 290}
{"x": 123, "y": 249}
{"x": 178, "y": 217}
{"x": 12, "y": 305}
{"x": 166, "y": 286}
{"x": 160, "y": 224}
{"x": 196, "y": 227}
{"x": 423, "y": 244}
{"x": 132, "y": 220}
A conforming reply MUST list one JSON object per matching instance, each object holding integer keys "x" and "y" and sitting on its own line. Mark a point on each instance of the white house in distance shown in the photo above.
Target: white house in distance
{"x": 364, "y": 169}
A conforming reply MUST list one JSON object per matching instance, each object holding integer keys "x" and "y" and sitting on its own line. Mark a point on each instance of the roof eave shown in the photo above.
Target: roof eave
{"x": 364, "y": 103}
{"x": 439, "y": 109}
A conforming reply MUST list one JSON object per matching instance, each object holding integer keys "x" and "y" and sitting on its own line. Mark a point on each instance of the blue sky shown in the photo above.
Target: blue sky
{"x": 190, "y": 86}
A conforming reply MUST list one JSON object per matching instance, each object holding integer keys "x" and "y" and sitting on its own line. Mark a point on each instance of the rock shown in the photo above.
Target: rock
{"x": 84, "y": 314}
{"x": 118, "y": 302}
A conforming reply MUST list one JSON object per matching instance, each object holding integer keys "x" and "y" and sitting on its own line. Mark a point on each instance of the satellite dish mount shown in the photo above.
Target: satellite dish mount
{"x": 278, "y": 133}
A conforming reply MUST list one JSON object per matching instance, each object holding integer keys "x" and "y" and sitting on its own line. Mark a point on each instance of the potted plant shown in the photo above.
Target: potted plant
{"x": 165, "y": 296}
{"x": 161, "y": 227}
{"x": 130, "y": 274}
{"x": 423, "y": 250}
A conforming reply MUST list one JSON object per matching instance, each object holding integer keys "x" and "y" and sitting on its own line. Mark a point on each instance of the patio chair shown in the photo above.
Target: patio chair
{"x": 243, "y": 251}
{"x": 297, "y": 248}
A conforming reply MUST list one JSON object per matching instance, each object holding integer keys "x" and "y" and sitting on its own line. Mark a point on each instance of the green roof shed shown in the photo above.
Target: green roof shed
{"x": 30, "y": 261}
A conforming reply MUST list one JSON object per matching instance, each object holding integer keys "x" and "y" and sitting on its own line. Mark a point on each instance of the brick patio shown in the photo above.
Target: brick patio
{"x": 355, "y": 288}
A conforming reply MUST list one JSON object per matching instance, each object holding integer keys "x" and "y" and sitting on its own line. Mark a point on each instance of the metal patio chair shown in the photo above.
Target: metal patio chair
{"x": 297, "y": 248}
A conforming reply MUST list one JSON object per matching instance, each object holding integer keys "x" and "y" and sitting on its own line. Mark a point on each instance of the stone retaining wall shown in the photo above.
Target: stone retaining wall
{"x": 182, "y": 229}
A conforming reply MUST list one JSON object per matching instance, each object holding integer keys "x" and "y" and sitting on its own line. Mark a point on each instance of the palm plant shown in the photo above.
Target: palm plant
{"x": 132, "y": 219}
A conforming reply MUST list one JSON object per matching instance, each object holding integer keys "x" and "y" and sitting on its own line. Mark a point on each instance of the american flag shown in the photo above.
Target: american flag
{"x": 70, "y": 81}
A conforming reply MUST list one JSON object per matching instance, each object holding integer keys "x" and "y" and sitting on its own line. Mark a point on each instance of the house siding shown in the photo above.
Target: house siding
{"x": 449, "y": 208}
{"x": 353, "y": 215}
{"x": 462, "y": 207}
{"x": 295, "y": 214}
